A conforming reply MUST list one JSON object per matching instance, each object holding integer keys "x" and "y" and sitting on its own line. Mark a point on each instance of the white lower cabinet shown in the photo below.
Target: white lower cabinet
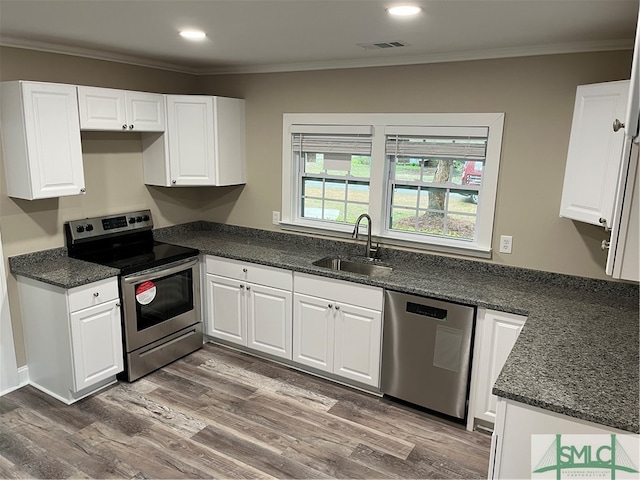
{"x": 496, "y": 334}
{"x": 73, "y": 337}
{"x": 528, "y": 438}
{"x": 249, "y": 305}
{"x": 337, "y": 327}
{"x": 97, "y": 343}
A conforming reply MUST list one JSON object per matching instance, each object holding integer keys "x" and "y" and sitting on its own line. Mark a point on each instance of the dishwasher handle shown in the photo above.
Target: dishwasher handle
{"x": 427, "y": 311}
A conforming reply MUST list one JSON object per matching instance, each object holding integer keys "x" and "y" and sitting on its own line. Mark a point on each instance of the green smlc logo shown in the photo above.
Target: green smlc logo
{"x": 607, "y": 456}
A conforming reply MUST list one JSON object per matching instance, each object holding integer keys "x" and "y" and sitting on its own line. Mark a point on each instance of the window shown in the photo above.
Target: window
{"x": 426, "y": 180}
{"x": 334, "y": 172}
{"x": 430, "y": 188}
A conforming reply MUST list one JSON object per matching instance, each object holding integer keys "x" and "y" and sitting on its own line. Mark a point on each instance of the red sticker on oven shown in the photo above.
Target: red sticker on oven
{"x": 145, "y": 293}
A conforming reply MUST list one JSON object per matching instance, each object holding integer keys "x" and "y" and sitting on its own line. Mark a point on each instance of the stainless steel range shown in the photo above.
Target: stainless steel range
{"x": 159, "y": 287}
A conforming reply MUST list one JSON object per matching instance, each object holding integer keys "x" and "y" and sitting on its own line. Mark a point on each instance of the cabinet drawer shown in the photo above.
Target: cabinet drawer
{"x": 93, "y": 294}
{"x": 250, "y": 272}
{"x": 339, "y": 291}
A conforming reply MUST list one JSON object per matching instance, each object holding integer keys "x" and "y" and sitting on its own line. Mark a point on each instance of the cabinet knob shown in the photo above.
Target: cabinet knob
{"x": 96, "y": 294}
{"x": 330, "y": 305}
{"x": 173, "y": 182}
{"x": 124, "y": 127}
{"x": 617, "y": 125}
{"x": 83, "y": 190}
{"x": 605, "y": 244}
{"x": 248, "y": 287}
{"x": 130, "y": 127}
{"x": 603, "y": 222}
{"x": 337, "y": 307}
{"x": 118, "y": 305}
{"x": 245, "y": 270}
{"x": 241, "y": 285}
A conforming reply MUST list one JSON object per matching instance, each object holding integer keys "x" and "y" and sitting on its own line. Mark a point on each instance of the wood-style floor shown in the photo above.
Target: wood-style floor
{"x": 221, "y": 414}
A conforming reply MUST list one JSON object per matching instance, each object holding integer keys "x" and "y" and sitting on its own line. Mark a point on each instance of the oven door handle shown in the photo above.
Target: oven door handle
{"x": 164, "y": 270}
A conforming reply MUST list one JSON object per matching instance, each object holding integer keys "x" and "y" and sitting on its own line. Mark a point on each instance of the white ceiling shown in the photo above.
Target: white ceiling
{"x": 281, "y": 35}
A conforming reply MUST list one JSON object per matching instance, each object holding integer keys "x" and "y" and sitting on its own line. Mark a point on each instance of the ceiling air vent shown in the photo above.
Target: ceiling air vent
{"x": 381, "y": 45}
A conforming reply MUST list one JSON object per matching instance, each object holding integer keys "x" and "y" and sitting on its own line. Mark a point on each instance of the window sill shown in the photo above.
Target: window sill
{"x": 472, "y": 250}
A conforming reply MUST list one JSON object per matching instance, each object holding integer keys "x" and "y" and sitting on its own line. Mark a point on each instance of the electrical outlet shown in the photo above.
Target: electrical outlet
{"x": 506, "y": 242}
{"x": 275, "y": 217}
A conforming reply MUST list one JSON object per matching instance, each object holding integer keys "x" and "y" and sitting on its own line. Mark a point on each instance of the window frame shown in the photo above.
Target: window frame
{"x": 381, "y": 124}
{"x": 364, "y": 132}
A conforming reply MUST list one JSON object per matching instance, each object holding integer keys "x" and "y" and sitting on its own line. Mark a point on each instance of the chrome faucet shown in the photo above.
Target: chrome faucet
{"x": 371, "y": 251}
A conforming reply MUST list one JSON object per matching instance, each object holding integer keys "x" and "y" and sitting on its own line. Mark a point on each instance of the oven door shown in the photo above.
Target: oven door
{"x": 160, "y": 302}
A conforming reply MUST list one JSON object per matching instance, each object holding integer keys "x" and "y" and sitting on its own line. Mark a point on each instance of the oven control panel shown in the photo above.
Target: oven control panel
{"x": 108, "y": 225}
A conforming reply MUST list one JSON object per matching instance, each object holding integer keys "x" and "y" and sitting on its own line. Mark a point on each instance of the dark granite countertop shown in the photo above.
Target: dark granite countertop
{"x": 56, "y": 268}
{"x": 577, "y": 355}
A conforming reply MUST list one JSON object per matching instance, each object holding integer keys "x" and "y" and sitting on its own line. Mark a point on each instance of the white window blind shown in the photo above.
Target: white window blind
{"x": 456, "y": 148}
{"x": 328, "y": 144}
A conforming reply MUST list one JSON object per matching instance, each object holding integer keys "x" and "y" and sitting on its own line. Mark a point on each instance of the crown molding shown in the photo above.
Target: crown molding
{"x": 555, "y": 49}
{"x": 552, "y": 49}
{"x": 95, "y": 54}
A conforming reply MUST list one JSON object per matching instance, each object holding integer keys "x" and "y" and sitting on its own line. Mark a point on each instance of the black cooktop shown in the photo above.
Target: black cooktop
{"x": 123, "y": 241}
{"x": 135, "y": 261}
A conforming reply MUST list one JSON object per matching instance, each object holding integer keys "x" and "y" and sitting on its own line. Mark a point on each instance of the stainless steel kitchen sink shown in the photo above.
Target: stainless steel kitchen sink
{"x": 363, "y": 266}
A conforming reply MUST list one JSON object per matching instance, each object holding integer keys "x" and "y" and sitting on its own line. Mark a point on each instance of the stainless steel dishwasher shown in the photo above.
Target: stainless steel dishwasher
{"x": 426, "y": 352}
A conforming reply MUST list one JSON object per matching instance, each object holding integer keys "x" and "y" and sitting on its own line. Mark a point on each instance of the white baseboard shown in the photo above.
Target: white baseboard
{"x": 23, "y": 380}
{"x": 23, "y": 376}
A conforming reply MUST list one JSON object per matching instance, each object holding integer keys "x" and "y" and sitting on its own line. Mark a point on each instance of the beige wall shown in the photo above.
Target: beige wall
{"x": 536, "y": 93}
{"x": 112, "y": 164}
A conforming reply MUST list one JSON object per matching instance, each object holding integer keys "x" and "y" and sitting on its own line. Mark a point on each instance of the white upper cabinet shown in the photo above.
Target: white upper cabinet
{"x": 595, "y": 153}
{"x": 204, "y": 143}
{"x": 191, "y": 140}
{"x": 41, "y": 140}
{"x": 121, "y": 110}
{"x": 623, "y": 260}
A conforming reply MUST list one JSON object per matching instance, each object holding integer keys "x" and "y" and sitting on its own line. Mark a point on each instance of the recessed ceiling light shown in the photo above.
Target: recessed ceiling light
{"x": 193, "y": 34}
{"x": 404, "y": 10}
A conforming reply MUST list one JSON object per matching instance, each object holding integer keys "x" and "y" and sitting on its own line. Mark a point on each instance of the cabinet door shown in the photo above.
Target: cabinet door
{"x": 313, "y": 327}
{"x": 191, "y": 140}
{"x": 499, "y": 334}
{"x": 96, "y": 338}
{"x": 226, "y": 309}
{"x": 269, "y": 317}
{"x": 623, "y": 260}
{"x": 45, "y": 118}
{"x": 595, "y": 151}
{"x": 357, "y": 343}
{"x": 102, "y": 109}
{"x": 145, "y": 111}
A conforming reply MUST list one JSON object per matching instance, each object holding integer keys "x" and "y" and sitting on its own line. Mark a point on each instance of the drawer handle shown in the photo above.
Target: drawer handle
{"x": 96, "y": 294}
